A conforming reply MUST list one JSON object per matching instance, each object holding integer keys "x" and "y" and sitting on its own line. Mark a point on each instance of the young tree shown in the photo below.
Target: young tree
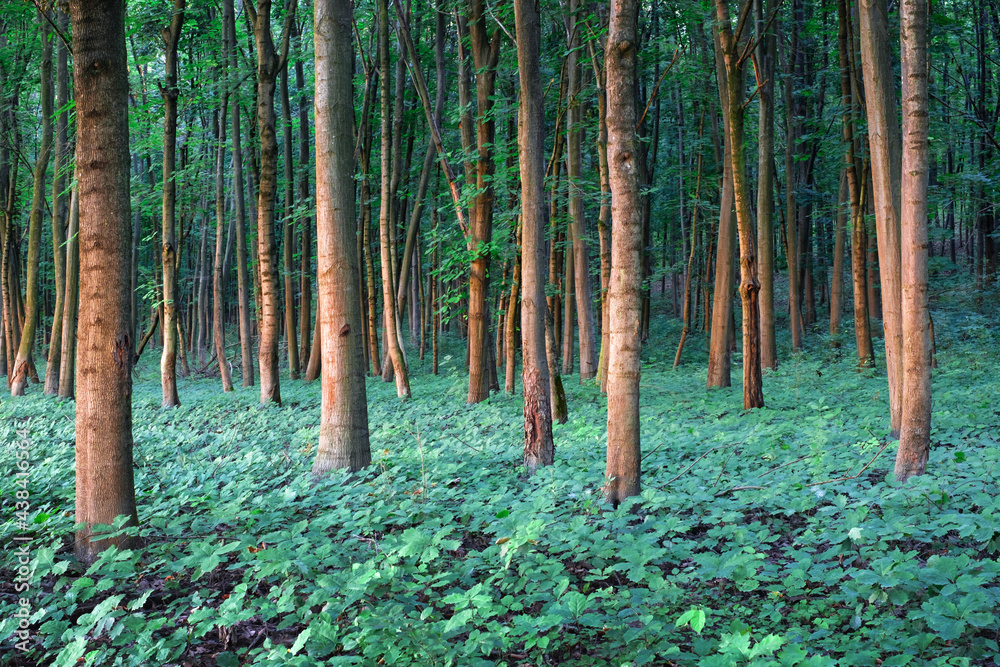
{"x": 766, "y": 45}
{"x": 218, "y": 276}
{"x": 733, "y": 62}
{"x": 104, "y": 483}
{"x": 343, "y": 438}
{"x": 539, "y": 449}
{"x": 269, "y": 63}
{"x": 168, "y": 361}
{"x": 19, "y": 374}
{"x": 623, "y": 453}
{"x": 915, "y": 422}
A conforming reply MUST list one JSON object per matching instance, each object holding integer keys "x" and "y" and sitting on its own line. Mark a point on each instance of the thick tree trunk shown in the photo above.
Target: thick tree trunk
{"x": 104, "y": 482}
{"x": 884, "y": 146}
{"x": 59, "y": 210}
{"x": 915, "y": 423}
{"x": 623, "y": 452}
{"x": 20, "y": 371}
{"x": 343, "y": 438}
{"x": 170, "y": 251}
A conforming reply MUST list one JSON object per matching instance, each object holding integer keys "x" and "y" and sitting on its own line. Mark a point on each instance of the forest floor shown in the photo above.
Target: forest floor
{"x": 774, "y": 537}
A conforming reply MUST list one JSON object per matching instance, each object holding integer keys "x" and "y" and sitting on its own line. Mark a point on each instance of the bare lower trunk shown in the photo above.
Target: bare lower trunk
{"x": 288, "y": 241}
{"x": 765, "y": 191}
{"x": 104, "y": 483}
{"x": 837, "y": 278}
{"x": 343, "y": 436}
{"x": 67, "y": 375}
{"x": 218, "y": 277}
{"x": 623, "y": 451}
{"x": 915, "y": 424}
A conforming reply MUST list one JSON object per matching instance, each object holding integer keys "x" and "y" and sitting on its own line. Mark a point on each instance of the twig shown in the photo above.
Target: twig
{"x": 844, "y": 479}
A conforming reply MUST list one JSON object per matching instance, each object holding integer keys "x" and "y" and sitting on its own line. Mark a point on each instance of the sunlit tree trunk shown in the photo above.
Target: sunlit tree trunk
{"x": 343, "y": 436}
{"x": 19, "y": 374}
{"x": 915, "y": 423}
{"x": 104, "y": 483}
{"x": 218, "y": 276}
{"x": 623, "y": 451}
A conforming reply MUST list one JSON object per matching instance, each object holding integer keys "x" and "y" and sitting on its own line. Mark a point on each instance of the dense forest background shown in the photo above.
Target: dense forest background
{"x": 542, "y": 234}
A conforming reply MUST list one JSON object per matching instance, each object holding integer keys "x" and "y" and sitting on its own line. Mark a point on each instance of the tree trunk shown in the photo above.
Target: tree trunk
{"x": 510, "y": 322}
{"x": 343, "y": 438}
{"x": 59, "y": 210}
{"x": 485, "y": 53}
{"x": 791, "y": 185}
{"x": 574, "y": 163}
{"x": 242, "y": 258}
{"x": 730, "y": 47}
{"x": 623, "y": 452}
{"x": 391, "y": 337}
{"x": 104, "y": 482}
{"x": 218, "y": 276}
{"x": 170, "y": 251}
{"x": 765, "y": 188}
{"x": 915, "y": 424}
{"x": 269, "y": 64}
{"x": 883, "y": 142}
{"x": 837, "y": 279}
{"x": 67, "y": 364}
{"x": 288, "y": 242}
{"x": 305, "y": 265}
{"x": 568, "y": 302}
{"x": 19, "y": 374}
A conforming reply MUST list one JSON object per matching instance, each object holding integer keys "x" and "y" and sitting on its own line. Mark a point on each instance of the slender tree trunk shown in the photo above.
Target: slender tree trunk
{"x": 837, "y": 279}
{"x": 510, "y": 323}
{"x": 314, "y": 367}
{"x": 791, "y": 186}
{"x": 731, "y": 50}
{"x": 170, "y": 250}
{"x": 104, "y": 483}
{"x": 242, "y": 256}
{"x": 568, "y": 303}
{"x": 67, "y": 364}
{"x": 343, "y": 438}
{"x": 391, "y": 337}
{"x": 269, "y": 63}
{"x": 915, "y": 424}
{"x": 884, "y": 144}
{"x": 539, "y": 449}
{"x": 574, "y": 162}
{"x": 688, "y": 314}
{"x": 305, "y": 262}
{"x": 485, "y": 53}
{"x": 218, "y": 274}
{"x": 288, "y": 242}
{"x": 59, "y": 210}
{"x": 23, "y": 362}
{"x": 765, "y": 188}
{"x": 719, "y": 355}
{"x": 623, "y": 451}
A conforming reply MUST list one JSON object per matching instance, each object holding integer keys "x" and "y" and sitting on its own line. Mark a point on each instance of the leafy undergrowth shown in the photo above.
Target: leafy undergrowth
{"x": 747, "y": 545}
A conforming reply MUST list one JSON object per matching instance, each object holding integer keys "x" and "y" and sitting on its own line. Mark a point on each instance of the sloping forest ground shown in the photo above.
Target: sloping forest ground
{"x": 444, "y": 553}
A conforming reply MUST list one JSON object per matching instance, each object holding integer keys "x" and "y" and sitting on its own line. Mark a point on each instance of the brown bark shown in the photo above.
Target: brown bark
{"x": 915, "y": 422}
{"x": 104, "y": 482}
{"x": 218, "y": 277}
{"x": 539, "y": 449}
{"x": 19, "y": 373}
{"x": 343, "y": 439}
{"x": 765, "y": 189}
{"x": 687, "y": 313}
{"x": 623, "y": 451}
{"x": 59, "y": 212}
{"x": 791, "y": 185}
{"x": 391, "y": 337}
{"x": 67, "y": 364}
{"x": 510, "y": 322}
{"x": 884, "y": 146}
{"x": 305, "y": 245}
{"x": 170, "y": 249}
{"x": 242, "y": 256}
{"x": 288, "y": 242}
{"x": 731, "y": 48}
